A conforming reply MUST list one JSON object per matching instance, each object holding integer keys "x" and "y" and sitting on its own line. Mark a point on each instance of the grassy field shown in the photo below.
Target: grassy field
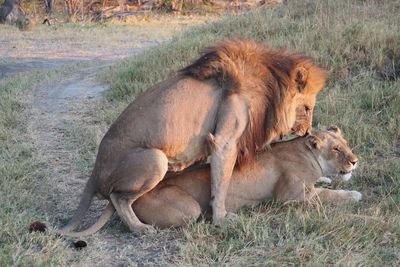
{"x": 359, "y": 42}
{"x": 23, "y": 180}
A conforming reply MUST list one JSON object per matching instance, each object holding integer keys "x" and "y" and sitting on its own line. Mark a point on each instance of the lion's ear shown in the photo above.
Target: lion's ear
{"x": 313, "y": 142}
{"x": 335, "y": 129}
{"x": 301, "y": 75}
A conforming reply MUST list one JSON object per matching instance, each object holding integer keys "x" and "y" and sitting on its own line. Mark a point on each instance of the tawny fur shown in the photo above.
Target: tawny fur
{"x": 286, "y": 172}
{"x": 242, "y": 93}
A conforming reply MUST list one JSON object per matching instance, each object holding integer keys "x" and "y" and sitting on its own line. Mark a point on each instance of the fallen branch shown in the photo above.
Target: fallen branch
{"x": 127, "y": 13}
{"x": 108, "y": 9}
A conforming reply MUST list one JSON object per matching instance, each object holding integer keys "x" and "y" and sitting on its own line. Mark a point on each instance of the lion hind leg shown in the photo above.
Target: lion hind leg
{"x": 122, "y": 203}
{"x": 139, "y": 171}
{"x": 169, "y": 206}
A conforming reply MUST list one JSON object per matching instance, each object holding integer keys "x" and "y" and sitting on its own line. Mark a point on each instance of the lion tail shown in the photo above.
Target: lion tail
{"x": 104, "y": 218}
{"x": 84, "y": 204}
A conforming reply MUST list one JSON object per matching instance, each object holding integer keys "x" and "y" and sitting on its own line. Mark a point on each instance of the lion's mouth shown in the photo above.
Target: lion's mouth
{"x": 344, "y": 172}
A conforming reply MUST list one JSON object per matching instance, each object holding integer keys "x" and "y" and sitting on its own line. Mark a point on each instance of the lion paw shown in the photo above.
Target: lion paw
{"x": 346, "y": 177}
{"x": 229, "y": 218}
{"x": 355, "y": 195}
{"x": 324, "y": 180}
{"x": 143, "y": 229}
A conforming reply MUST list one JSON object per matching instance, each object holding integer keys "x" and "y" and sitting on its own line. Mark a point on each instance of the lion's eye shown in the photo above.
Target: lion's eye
{"x": 336, "y": 149}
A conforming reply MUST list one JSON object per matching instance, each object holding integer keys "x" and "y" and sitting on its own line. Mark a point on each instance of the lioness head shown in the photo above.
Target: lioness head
{"x": 307, "y": 80}
{"x": 332, "y": 152}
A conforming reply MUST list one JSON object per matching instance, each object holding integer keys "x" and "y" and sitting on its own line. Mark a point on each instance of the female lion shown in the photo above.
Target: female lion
{"x": 286, "y": 172}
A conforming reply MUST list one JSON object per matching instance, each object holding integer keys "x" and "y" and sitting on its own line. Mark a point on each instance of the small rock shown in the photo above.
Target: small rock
{"x": 37, "y": 227}
{"x": 39, "y": 247}
{"x": 80, "y": 244}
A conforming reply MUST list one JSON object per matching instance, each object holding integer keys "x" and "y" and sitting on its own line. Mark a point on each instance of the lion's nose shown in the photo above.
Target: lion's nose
{"x": 354, "y": 161}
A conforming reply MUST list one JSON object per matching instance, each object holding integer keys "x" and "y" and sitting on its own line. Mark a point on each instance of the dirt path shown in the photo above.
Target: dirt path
{"x": 58, "y": 110}
{"x": 64, "y": 109}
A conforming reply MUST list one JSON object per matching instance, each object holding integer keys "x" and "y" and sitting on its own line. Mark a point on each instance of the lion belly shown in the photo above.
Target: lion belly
{"x": 186, "y": 159}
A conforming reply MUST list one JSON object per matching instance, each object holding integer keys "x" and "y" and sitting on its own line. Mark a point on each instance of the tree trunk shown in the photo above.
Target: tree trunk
{"x": 68, "y": 7}
{"x": 72, "y": 7}
{"x": 6, "y": 9}
{"x": 122, "y": 5}
{"x": 177, "y": 5}
{"x": 49, "y": 5}
{"x": 12, "y": 13}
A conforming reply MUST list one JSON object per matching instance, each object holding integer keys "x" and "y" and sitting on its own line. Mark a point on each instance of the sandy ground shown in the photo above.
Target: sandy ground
{"x": 58, "y": 110}
{"x": 51, "y": 47}
{"x": 63, "y": 106}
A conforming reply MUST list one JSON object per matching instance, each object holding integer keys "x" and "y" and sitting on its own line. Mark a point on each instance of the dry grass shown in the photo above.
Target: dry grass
{"x": 23, "y": 181}
{"x": 91, "y": 40}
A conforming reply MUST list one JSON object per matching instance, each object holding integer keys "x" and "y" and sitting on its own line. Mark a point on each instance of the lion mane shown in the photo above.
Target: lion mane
{"x": 263, "y": 76}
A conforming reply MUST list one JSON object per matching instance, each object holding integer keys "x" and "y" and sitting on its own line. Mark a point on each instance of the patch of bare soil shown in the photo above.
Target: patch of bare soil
{"x": 57, "y": 110}
{"x": 53, "y": 58}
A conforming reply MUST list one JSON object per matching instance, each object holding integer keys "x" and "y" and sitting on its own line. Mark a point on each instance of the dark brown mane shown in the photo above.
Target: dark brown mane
{"x": 262, "y": 76}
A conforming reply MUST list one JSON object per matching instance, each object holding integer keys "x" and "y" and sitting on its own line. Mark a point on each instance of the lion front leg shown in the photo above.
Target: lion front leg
{"x": 231, "y": 123}
{"x": 337, "y": 196}
{"x": 222, "y": 164}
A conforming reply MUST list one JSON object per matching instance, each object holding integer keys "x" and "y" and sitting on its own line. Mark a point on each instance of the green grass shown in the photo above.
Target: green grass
{"x": 359, "y": 43}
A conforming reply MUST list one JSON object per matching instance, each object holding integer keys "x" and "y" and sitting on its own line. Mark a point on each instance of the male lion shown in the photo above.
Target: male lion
{"x": 286, "y": 172}
{"x": 241, "y": 92}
